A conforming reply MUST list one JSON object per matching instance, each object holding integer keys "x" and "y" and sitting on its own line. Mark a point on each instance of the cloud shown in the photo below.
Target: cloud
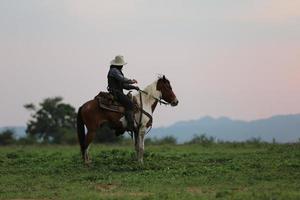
{"x": 273, "y": 11}
{"x": 129, "y": 12}
{"x": 281, "y": 9}
{"x": 100, "y": 10}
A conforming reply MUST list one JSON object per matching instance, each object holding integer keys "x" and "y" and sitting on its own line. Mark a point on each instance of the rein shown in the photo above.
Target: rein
{"x": 142, "y": 111}
{"x": 141, "y": 115}
{"x": 158, "y": 99}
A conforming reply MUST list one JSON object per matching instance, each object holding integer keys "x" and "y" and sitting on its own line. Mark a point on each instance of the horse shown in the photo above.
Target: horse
{"x": 91, "y": 116}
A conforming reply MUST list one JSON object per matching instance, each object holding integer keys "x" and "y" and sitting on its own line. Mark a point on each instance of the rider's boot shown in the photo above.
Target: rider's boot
{"x": 130, "y": 120}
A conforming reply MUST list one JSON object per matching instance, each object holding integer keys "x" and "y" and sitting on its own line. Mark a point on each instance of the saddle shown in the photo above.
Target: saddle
{"x": 108, "y": 102}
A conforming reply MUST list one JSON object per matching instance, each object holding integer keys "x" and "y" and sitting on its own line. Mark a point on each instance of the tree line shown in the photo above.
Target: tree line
{"x": 53, "y": 122}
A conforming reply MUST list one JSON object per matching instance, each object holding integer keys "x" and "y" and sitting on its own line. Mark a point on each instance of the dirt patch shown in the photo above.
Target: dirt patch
{"x": 110, "y": 190}
{"x": 194, "y": 190}
{"x": 132, "y": 194}
{"x": 28, "y": 199}
{"x": 105, "y": 187}
{"x": 239, "y": 189}
{"x": 139, "y": 194}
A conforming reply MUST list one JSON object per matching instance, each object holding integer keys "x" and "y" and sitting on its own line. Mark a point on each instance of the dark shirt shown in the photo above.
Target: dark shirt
{"x": 117, "y": 81}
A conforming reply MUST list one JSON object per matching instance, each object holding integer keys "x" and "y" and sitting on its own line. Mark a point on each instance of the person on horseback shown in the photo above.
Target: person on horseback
{"x": 116, "y": 83}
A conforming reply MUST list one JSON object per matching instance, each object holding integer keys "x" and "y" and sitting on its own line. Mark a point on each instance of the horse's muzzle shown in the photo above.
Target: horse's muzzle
{"x": 175, "y": 102}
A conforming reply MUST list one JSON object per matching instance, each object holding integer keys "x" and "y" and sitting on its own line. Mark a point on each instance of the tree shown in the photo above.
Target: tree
{"x": 53, "y": 121}
{"x": 7, "y": 137}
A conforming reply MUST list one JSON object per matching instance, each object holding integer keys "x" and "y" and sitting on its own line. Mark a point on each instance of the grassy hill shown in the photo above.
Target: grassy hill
{"x": 219, "y": 171}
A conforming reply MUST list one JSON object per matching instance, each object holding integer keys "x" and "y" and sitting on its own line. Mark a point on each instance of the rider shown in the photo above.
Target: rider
{"x": 116, "y": 83}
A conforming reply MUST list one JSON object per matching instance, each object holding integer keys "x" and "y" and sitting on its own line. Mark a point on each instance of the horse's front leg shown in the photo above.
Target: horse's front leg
{"x": 141, "y": 146}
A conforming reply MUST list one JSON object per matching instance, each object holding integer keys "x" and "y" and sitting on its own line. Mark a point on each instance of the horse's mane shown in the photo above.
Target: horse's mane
{"x": 160, "y": 76}
{"x": 151, "y": 88}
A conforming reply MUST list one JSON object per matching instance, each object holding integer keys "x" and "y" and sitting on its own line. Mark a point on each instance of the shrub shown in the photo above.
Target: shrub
{"x": 27, "y": 140}
{"x": 7, "y": 137}
{"x": 161, "y": 141}
{"x": 167, "y": 140}
{"x": 202, "y": 139}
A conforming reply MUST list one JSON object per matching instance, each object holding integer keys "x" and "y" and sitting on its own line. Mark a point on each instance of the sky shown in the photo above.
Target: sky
{"x": 239, "y": 59}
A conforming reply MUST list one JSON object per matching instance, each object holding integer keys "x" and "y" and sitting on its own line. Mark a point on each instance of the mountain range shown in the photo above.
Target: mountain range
{"x": 282, "y": 128}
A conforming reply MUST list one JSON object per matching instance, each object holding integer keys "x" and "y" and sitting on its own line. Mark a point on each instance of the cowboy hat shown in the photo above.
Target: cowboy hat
{"x": 118, "y": 61}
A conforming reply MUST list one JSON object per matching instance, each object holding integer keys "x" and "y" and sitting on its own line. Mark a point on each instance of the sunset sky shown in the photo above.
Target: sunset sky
{"x": 232, "y": 58}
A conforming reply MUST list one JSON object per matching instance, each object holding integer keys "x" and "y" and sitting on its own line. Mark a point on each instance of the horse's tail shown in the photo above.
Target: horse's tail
{"x": 80, "y": 130}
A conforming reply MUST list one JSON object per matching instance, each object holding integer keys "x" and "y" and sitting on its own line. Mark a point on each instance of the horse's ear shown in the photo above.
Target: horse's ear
{"x": 164, "y": 77}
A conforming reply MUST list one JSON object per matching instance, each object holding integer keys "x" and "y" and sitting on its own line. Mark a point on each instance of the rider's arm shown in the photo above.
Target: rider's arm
{"x": 117, "y": 74}
{"x": 129, "y": 87}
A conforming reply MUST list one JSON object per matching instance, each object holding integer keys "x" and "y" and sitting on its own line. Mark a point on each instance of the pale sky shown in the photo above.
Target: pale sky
{"x": 232, "y": 58}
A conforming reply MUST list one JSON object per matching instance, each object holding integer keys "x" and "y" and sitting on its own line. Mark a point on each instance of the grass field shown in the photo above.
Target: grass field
{"x": 218, "y": 171}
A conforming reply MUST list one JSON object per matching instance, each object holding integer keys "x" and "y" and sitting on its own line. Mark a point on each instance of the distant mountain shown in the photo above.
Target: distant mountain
{"x": 19, "y": 131}
{"x": 284, "y": 128}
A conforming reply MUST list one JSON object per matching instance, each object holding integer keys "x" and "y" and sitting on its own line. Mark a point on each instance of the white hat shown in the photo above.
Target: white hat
{"x": 118, "y": 61}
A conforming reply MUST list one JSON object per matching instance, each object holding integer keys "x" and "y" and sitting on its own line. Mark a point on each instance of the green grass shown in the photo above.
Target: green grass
{"x": 218, "y": 171}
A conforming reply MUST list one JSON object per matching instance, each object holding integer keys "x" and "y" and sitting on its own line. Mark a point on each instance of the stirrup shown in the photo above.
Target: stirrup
{"x": 132, "y": 129}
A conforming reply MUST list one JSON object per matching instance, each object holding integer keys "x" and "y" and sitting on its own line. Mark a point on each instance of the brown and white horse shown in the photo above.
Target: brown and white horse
{"x": 92, "y": 117}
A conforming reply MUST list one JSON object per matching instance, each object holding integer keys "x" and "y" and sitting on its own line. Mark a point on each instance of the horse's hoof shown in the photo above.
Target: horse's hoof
{"x": 88, "y": 162}
{"x": 141, "y": 162}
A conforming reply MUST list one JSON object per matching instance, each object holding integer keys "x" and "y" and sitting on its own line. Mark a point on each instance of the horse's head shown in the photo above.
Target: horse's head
{"x": 164, "y": 86}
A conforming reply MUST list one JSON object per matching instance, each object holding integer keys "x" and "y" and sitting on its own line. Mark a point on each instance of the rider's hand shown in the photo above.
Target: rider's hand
{"x": 134, "y": 81}
{"x": 137, "y": 88}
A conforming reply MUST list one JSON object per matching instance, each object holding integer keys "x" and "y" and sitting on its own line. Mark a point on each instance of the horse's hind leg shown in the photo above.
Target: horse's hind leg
{"x": 89, "y": 138}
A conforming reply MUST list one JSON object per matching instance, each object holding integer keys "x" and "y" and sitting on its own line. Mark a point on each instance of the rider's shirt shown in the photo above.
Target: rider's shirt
{"x": 117, "y": 81}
